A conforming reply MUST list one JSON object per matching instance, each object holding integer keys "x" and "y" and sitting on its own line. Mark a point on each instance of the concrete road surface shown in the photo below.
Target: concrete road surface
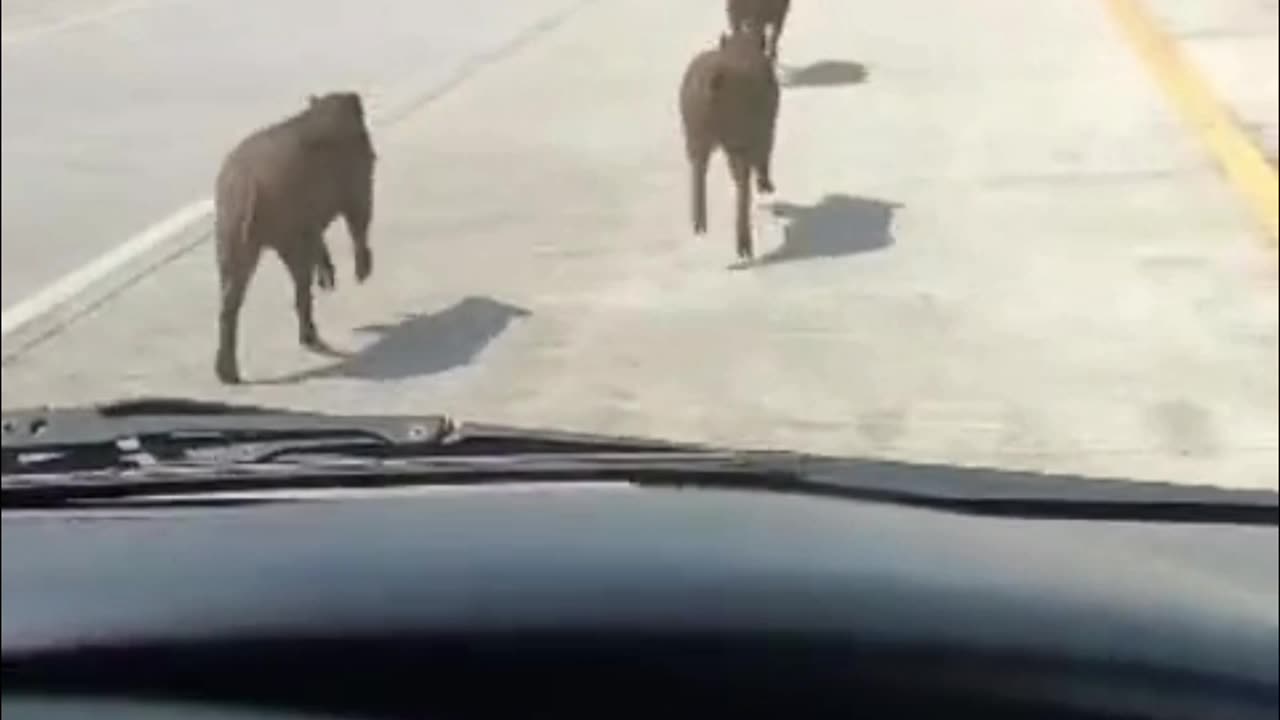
{"x": 995, "y": 242}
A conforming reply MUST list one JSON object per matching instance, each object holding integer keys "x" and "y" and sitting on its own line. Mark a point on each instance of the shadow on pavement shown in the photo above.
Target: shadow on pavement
{"x": 838, "y": 225}
{"x": 422, "y": 343}
{"x": 825, "y": 73}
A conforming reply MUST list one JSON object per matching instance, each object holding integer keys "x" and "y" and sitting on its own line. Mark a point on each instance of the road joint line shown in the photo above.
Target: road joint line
{"x": 74, "y": 22}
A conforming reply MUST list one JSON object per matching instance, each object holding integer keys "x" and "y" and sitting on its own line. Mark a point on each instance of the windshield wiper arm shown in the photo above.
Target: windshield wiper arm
{"x": 150, "y": 432}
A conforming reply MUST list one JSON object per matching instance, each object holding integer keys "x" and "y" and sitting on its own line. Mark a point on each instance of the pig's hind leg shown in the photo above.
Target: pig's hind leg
{"x": 326, "y": 277}
{"x": 303, "y": 260}
{"x": 236, "y": 265}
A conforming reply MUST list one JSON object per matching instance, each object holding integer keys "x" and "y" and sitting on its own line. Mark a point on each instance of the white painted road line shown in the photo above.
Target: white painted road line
{"x": 76, "y": 282}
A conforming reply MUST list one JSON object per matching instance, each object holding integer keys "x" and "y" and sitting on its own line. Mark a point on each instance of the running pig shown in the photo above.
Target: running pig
{"x": 280, "y": 188}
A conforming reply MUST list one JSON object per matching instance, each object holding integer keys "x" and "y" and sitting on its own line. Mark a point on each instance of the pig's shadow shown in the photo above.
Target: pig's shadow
{"x": 422, "y": 343}
{"x": 824, "y": 73}
{"x": 837, "y": 226}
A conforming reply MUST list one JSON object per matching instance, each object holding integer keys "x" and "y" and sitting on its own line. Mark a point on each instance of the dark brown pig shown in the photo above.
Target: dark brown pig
{"x": 280, "y": 188}
{"x": 768, "y": 15}
{"x": 729, "y": 100}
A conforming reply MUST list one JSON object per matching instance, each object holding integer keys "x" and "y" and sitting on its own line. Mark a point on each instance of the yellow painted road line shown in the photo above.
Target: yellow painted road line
{"x": 1241, "y": 159}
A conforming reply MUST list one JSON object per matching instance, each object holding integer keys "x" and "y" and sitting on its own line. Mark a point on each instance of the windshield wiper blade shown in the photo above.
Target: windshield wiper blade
{"x": 972, "y": 491}
{"x": 133, "y": 451}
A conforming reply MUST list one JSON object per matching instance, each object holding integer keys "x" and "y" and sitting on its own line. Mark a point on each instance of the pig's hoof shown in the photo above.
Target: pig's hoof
{"x": 312, "y": 341}
{"x": 364, "y": 264}
{"x": 326, "y": 280}
{"x": 228, "y": 374}
{"x": 765, "y": 185}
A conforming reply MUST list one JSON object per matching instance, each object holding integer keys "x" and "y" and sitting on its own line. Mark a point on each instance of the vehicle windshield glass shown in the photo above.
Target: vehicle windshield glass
{"x": 1034, "y": 236}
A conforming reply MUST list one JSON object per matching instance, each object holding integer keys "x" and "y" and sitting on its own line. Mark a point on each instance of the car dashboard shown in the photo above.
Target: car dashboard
{"x": 594, "y": 600}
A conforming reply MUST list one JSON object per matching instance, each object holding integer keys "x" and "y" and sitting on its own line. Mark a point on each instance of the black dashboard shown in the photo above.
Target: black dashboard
{"x": 594, "y": 600}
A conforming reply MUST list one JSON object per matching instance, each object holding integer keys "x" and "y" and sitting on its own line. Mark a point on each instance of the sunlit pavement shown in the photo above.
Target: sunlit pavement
{"x": 994, "y": 243}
